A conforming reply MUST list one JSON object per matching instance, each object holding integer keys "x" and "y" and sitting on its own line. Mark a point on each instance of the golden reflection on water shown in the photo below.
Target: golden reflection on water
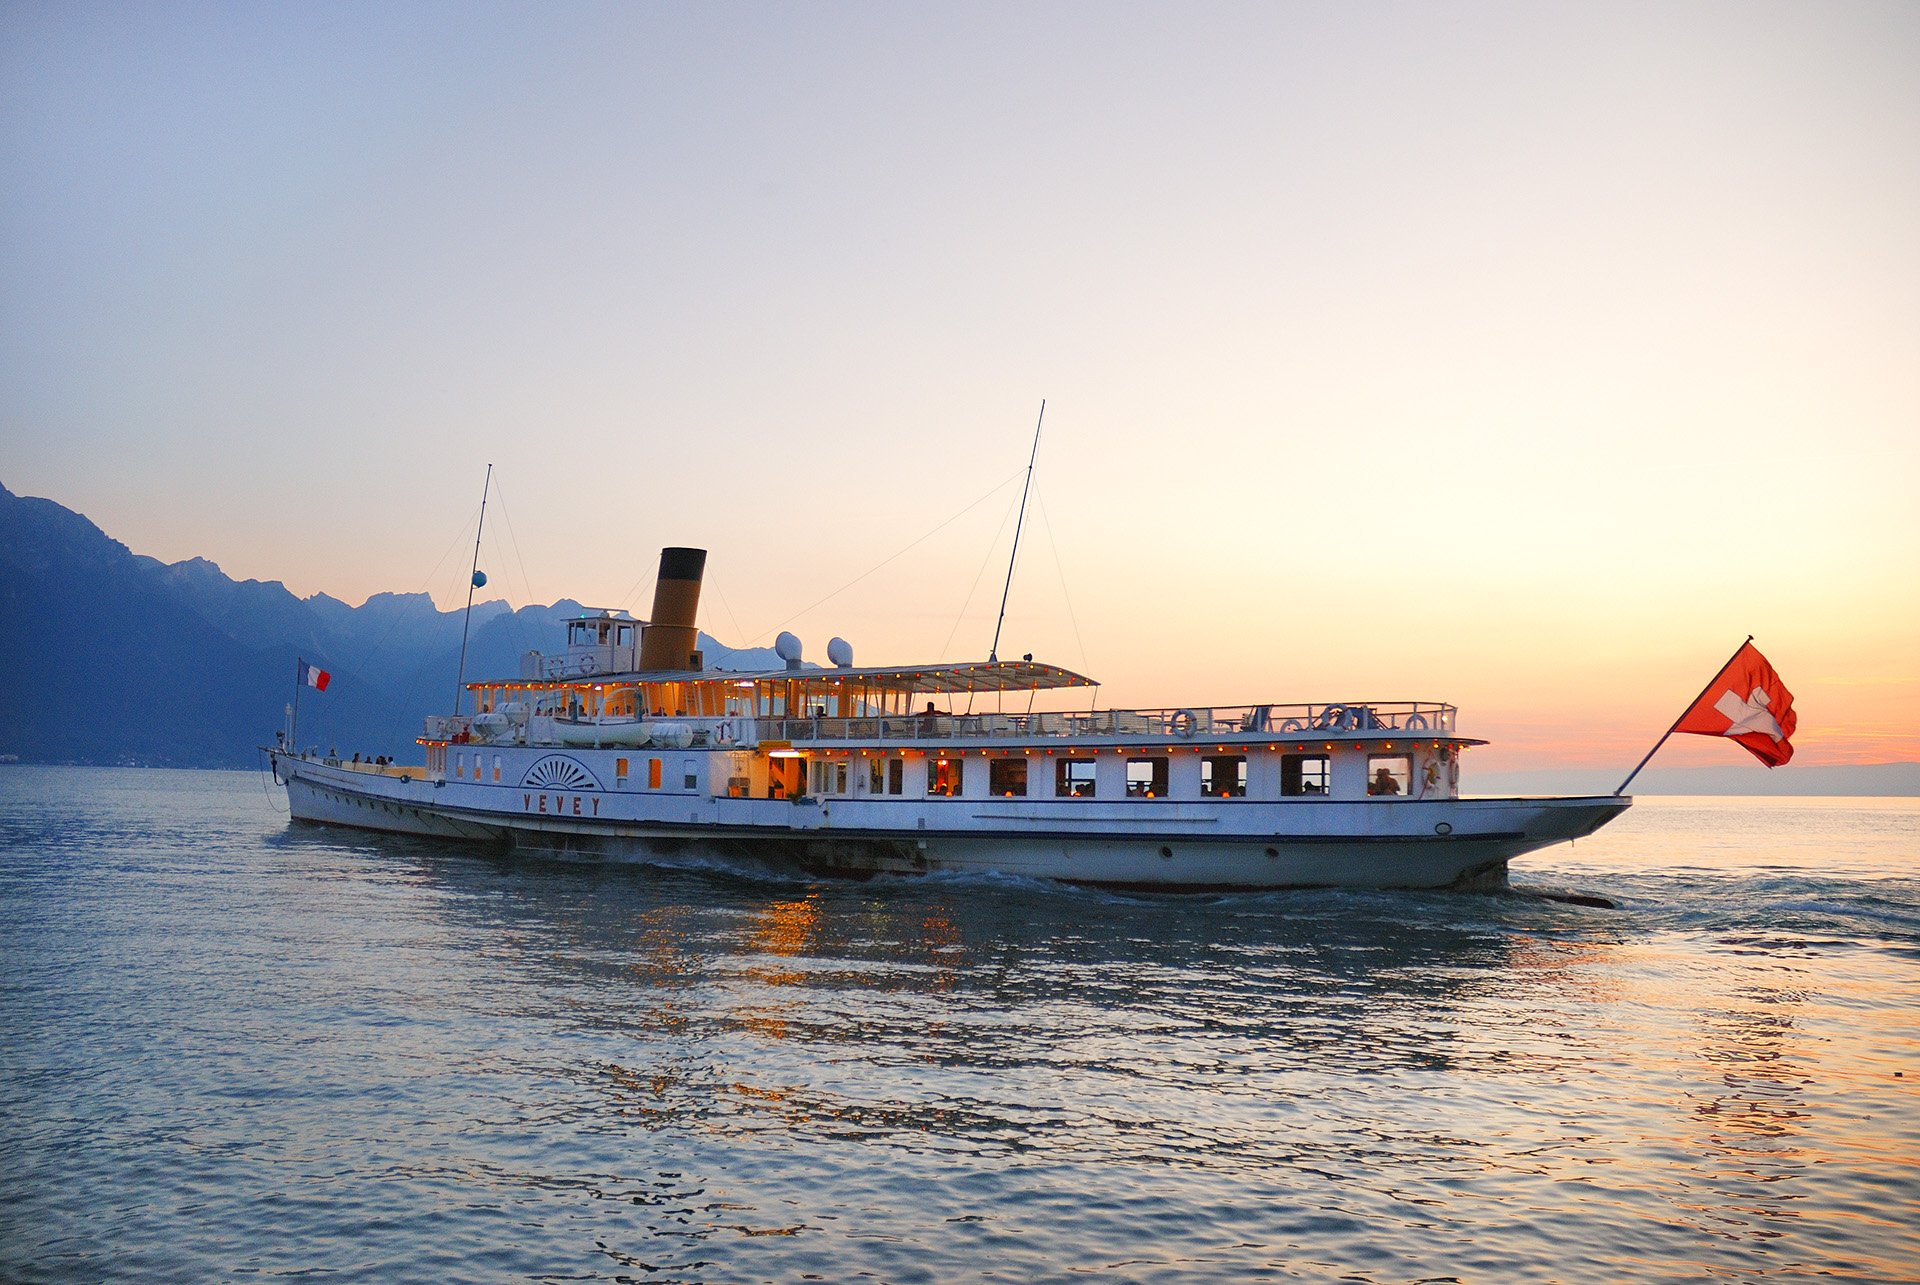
{"x": 1721, "y": 1039}
{"x": 441, "y": 1066}
{"x": 781, "y": 930}
{"x": 1705, "y": 1078}
{"x": 785, "y": 928}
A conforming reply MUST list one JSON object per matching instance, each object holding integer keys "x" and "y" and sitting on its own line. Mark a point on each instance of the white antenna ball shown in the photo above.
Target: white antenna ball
{"x": 840, "y": 652}
{"x": 786, "y": 647}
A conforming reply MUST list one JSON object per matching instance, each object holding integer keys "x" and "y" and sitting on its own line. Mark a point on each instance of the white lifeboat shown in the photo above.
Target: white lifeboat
{"x": 602, "y": 731}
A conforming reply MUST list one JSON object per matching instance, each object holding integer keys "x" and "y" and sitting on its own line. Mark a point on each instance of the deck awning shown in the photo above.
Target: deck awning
{"x": 982, "y": 676}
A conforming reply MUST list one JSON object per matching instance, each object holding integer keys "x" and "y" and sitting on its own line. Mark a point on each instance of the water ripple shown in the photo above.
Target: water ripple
{"x": 231, "y": 1049}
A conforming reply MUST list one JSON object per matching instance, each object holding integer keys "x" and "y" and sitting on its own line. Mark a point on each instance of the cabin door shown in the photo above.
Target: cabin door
{"x": 784, "y": 777}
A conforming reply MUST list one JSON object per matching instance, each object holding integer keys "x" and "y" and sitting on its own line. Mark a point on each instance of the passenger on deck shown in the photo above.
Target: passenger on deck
{"x": 1383, "y": 783}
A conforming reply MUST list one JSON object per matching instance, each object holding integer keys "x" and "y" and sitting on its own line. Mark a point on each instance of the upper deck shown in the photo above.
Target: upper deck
{"x": 1120, "y": 726}
{"x": 561, "y": 699}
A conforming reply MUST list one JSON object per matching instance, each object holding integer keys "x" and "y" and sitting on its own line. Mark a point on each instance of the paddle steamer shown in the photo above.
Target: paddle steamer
{"x": 627, "y": 746}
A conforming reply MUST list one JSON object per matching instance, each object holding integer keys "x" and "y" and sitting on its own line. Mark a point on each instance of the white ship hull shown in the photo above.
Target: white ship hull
{"x": 1133, "y": 843}
{"x": 633, "y": 751}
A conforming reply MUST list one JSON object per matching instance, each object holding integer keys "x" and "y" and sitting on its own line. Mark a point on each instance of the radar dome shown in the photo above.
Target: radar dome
{"x": 840, "y": 652}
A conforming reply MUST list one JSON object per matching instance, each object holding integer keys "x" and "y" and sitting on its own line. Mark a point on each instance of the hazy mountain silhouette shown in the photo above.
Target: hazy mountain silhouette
{"x": 107, "y": 656}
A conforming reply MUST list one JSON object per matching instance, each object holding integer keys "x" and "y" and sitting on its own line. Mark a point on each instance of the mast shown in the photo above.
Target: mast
{"x": 293, "y": 710}
{"x": 993, "y": 652}
{"x": 473, "y": 582}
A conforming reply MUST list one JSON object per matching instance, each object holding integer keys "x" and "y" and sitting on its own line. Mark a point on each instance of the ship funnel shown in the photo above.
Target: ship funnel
{"x": 670, "y": 640}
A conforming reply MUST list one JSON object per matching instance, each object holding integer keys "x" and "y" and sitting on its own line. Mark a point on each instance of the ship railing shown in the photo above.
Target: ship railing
{"x": 383, "y": 769}
{"x": 1228, "y": 721}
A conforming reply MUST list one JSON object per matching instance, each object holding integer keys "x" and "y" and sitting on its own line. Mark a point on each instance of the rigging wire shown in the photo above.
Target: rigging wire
{"x": 526, "y": 581}
{"x": 420, "y": 678}
{"x": 473, "y": 583}
{"x": 626, "y": 599}
{"x": 979, "y": 575}
{"x": 498, "y": 550}
{"x": 1040, "y": 500}
{"x": 884, "y": 561}
{"x": 728, "y": 608}
{"x": 425, "y": 587}
{"x": 1073, "y": 618}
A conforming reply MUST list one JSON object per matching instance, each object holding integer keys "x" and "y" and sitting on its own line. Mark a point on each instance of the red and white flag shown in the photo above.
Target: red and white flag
{"x": 315, "y": 677}
{"x": 1749, "y": 704}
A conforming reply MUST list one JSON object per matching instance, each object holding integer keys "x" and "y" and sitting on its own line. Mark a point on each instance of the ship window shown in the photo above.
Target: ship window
{"x": 460, "y": 764}
{"x": 887, "y": 776}
{"x": 653, "y": 774}
{"x": 945, "y": 776}
{"x": 1223, "y": 776}
{"x": 1147, "y": 778}
{"x": 689, "y": 776}
{"x": 496, "y": 767}
{"x": 1389, "y": 773}
{"x": 620, "y": 771}
{"x": 1007, "y": 777}
{"x": 1073, "y": 779}
{"x": 1303, "y": 773}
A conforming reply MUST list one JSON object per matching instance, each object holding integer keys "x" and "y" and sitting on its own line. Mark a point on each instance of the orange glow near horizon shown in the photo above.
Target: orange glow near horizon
{"x": 1535, "y": 412}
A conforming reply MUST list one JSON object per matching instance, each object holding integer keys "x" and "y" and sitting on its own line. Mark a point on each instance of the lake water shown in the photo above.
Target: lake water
{"x": 231, "y": 1049}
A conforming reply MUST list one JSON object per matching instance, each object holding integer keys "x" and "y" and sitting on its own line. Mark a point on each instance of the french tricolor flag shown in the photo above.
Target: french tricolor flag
{"x": 315, "y": 677}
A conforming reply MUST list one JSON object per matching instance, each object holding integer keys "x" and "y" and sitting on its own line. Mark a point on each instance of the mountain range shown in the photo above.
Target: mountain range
{"x": 107, "y": 656}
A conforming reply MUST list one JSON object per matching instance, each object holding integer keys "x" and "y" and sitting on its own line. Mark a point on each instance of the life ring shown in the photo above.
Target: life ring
{"x": 1290, "y": 726}
{"x": 1416, "y": 723}
{"x": 1182, "y": 722}
{"x": 1333, "y": 718}
{"x": 587, "y": 665}
{"x": 723, "y": 732}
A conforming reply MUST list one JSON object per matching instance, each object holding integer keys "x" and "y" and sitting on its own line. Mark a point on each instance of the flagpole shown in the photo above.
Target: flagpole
{"x": 293, "y": 733}
{"x": 1683, "y": 717}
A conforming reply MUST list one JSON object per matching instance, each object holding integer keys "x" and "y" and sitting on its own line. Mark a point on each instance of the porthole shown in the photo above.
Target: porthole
{"x": 1166, "y": 852}
{"x": 1442, "y": 828}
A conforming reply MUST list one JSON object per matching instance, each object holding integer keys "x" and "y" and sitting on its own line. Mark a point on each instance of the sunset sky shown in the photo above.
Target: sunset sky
{"x": 1523, "y": 356}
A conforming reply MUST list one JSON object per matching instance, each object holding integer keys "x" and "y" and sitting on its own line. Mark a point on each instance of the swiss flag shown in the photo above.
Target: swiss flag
{"x": 1748, "y": 703}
